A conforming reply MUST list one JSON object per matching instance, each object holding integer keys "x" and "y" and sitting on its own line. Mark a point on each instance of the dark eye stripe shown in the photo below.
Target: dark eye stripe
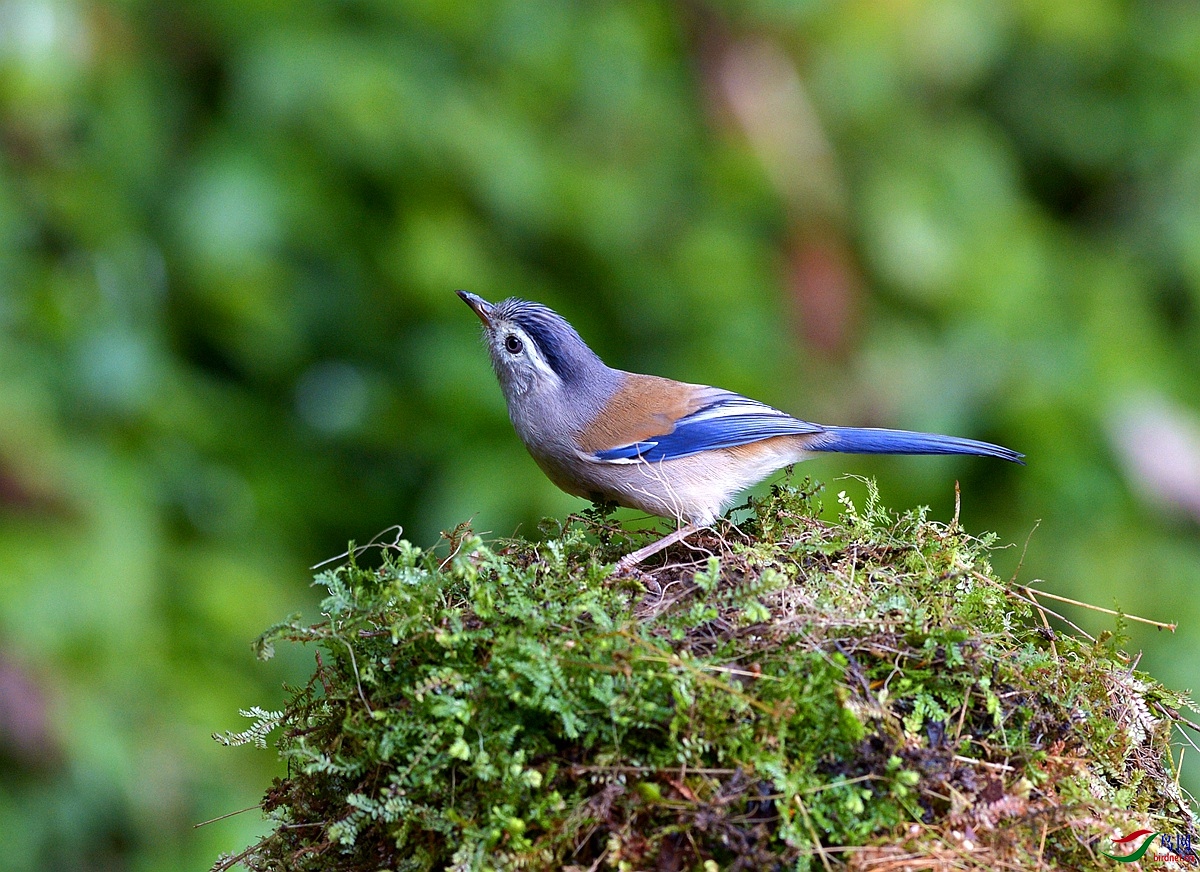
{"x": 555, "y": 339}
{"x": 544, "y": 336}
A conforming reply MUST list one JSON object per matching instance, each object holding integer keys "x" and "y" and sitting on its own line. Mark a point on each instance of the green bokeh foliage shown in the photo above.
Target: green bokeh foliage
{"x": 230, "y": 229}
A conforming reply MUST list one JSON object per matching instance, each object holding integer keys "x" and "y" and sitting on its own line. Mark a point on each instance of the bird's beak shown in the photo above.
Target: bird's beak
{"x": 479, "y": 305}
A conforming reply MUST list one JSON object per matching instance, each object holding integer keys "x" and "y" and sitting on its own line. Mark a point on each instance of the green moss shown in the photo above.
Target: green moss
{"x": 784, "y": 693}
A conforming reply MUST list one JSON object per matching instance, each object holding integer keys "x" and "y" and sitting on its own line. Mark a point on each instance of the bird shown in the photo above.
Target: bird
{"x": 677, "y": 450}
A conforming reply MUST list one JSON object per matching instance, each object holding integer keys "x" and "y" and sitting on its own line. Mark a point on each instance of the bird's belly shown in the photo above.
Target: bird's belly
{"x": 694, "y": 489}
{"x": 570, "y": 478}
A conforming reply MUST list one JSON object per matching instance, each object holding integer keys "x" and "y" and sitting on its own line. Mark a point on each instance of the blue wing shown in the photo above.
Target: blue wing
{"x": 726, "y": 422}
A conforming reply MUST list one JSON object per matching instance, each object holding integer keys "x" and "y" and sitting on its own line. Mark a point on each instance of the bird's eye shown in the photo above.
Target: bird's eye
{"x": 513, "y": 344}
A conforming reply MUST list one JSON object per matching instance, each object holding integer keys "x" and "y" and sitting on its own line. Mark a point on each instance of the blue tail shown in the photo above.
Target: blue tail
{"x": 868, "y": 440}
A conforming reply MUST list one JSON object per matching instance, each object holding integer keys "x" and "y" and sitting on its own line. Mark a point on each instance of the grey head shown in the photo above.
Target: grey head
{"x": 537, "y": 354}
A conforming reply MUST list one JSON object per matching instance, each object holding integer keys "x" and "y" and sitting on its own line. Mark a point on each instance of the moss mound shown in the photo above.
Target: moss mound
{"x": 784, "y": 693}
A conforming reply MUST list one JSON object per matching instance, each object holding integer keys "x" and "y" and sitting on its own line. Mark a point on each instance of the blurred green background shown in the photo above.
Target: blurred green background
{"x": 229, "y": 235}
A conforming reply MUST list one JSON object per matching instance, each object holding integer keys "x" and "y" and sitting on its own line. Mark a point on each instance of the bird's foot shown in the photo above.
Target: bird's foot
{"x": 625, "y": 566}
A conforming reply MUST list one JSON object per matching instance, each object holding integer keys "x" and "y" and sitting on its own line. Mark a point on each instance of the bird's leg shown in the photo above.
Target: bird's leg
{"x": 631, "y": 560}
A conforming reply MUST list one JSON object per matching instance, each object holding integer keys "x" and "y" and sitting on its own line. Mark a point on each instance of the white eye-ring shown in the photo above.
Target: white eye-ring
{"x": 512, "y": 344}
